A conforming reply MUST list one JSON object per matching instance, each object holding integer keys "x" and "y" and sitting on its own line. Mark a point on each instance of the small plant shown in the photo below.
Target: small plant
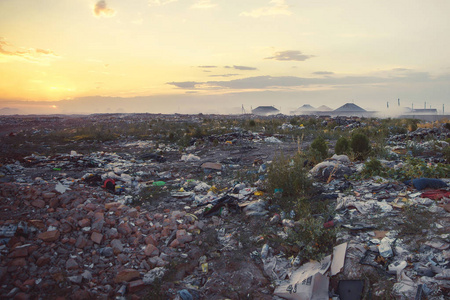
{"x": 342, "y": 146}
{"x": 412, "y": 124}
{"x": 252, "y": 123}
{"x": 313, "y": 240}
{"x": 360, "y": 146}
{"x": 416, "y": 168}
{"x": 320, "y": 148}
{"x": 373, "y": 168}
{"x": 415, "y": 220}
{"x": 447, "y": 126}
{"x": 446, "y": 153}
{"x": 287, "y": 178}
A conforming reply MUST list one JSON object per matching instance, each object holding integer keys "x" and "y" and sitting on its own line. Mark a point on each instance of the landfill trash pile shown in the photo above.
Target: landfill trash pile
{"x": 144, "y": 214}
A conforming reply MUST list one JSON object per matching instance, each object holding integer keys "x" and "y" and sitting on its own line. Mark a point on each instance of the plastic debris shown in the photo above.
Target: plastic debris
{"x": 426, "y": 183}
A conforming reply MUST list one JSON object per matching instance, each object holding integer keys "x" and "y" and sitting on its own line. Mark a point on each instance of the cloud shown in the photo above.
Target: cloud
{"x": 29, "y": 54}
{"x": 242, "y": 68}
{"x": 101, "y": 9}
{"x": 290, "y": 55}
{"x": 275, "y": 7}
{"x": 258, "y": 82}
{"x": 203, "y": 4}
{"x": 400, "y": 69}
{"x": 323, "y": 73}
{"x": 224, "y": 75}
{"x": 160, "y": 2}
{"x": 268, "y": 82}
{"x": 207, "y": 67}
{"x": 184, "y": 84}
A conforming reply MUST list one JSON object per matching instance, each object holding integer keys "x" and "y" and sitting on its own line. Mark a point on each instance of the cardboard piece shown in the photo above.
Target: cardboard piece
{"x": 307, "y": 282}
{"x": 338, "y": 258}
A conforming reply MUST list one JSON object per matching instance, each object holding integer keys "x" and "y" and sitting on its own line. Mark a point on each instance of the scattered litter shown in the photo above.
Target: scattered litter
{"x": 426, "y": 183}
{"x": 189, "y": 158}
{"x": 61, "y": 188}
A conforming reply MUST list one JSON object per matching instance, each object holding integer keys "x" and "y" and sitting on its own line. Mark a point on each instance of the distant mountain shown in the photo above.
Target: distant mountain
{"x": 265, "y": 110}
{"x": 10, "y": 111}
{"x": 306, "y": 107}
{"x": 349, "y": 107}
{"x": 324, "y": 108}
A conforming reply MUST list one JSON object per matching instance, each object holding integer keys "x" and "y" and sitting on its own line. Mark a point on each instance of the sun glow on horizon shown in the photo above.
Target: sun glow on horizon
{"x": 291, "y": 51}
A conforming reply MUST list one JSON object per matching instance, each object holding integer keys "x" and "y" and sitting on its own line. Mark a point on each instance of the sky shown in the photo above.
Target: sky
{"x": 64, "y": 56}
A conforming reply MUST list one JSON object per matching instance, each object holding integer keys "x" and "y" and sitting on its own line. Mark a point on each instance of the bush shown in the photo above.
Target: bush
{"x": 319, "y": 146}
{"x": 416, "y": 168}
{"x": 289, "y": 176}
{"x": 412, "y": 124}
{"x": 313, "y": 240}
{"x": 446, "y": 153}
{"x": 252, "y": 123}
{"x": 373, "y": 168}
{"x": 447, "y": 126}
{"x": 342, "y": 146}
{"x": 360, "y": 146}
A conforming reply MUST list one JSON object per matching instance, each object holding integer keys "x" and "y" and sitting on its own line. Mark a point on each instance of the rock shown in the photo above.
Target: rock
{"x": 150, "y": 240}
{"x": 151, "y": 276}
{"x": 18, "y": 262}
{"x": 112, "y": 204}
{"x": 96, "y": 237}
{"x": 124, "y": 229}
{"x": 22, "y": 296}
{"x": 71, "y": 264}
{"x": 183, "y": 236}
{"x": 107, "y": 251}
{"x": 126, "y": 275}
{"x": 38, "y": 203}
{"x": 84, "y": 222}
{"x": 81, "y": 242}
{"x": 133, "y": 213}
{"x": 151, "y": 250}
{"x": 136, "y": 285}
{"x": 87, "y": 275}
{"x": 21, "y": 251}
{"x": 42, "y": 261}
{"x": 213, "y": 166}
{"x": 99, "y": 216}
{"x": 75, "y": 279}
{"x": 117, "y": 246}
{"x": 49, "y": 236}
{"x": 48, "y": 195}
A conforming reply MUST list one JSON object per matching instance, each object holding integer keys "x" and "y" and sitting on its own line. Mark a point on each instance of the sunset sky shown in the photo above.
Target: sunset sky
{"x": 213, "y": 53}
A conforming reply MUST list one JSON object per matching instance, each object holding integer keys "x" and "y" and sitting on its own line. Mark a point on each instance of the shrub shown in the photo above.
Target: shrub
{"x": 360, "y": 146}
{"x": 446, "y": 153}
{"x": 373, "y": 168}
{"x": 319, "y": 146}
{"x": 412, "y": 124}
{"x": 252, "y": 123}
{"x": 342, "y": 146}
{"x": 289, "y": 176}
{"x": 313, "y": 240}
{"x": 416, "y": 168}
{"x": 447, "y": 125}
